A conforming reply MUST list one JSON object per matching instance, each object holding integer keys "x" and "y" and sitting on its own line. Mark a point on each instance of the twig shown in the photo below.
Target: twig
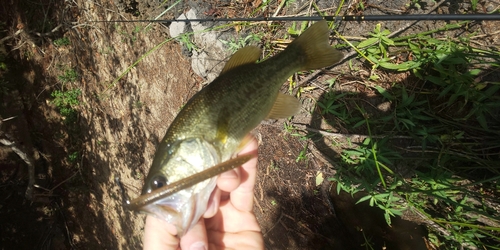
{"x": 68, "y": 233}
{"x": 277, "y": 222}
{"x": 9, "y": 37}
{"x": 10, "y": 118}
{"x": 258, "y": 205}
{"x": 26, "y": 158}
{"x": 351, "y": 137}
{"x": 62, "y": 182}
{"x": 46, "y": 33}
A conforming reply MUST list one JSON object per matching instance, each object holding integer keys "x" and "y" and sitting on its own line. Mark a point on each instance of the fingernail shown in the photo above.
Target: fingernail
{"x": 200, "y": 245}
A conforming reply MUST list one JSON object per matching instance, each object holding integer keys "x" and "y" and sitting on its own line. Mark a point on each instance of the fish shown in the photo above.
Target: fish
{"x": 211, "y": 127}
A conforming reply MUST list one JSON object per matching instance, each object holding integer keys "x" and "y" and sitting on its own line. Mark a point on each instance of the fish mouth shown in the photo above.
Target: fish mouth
{"x": 182, "y": 203}
{"x": 182, "y": 209}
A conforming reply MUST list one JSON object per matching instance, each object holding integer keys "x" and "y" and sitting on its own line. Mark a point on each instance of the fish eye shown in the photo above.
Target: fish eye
{"x": 158, "y": 182}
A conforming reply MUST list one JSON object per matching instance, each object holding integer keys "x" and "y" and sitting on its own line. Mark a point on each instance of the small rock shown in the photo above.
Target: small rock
{"x": 209, "y": 60}
{"x": 384, "y": 107}
{"x": 177, "y": 28}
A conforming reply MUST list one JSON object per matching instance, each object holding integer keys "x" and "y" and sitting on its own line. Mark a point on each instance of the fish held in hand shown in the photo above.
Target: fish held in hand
{"x": 211, "y": 127}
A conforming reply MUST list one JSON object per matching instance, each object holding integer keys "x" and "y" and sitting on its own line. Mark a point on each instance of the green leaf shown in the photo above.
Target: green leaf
{"x": 399, "y": 67}
{"x": 387, "y": 40}
{"x": 364, "y": 199}
{"x": 367, "y": 42}
{"x": 482, "y": 120}
{"x": 384, "y": 93}
{"x": 359, "y": 123}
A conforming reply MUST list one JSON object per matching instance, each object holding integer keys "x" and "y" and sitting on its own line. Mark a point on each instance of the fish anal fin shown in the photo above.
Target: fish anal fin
{"x": 284, "y": 106}
{"x": 245, "y": 55}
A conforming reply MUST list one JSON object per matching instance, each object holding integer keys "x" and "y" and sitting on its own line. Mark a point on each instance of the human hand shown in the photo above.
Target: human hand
{"x": 228, "y": 223}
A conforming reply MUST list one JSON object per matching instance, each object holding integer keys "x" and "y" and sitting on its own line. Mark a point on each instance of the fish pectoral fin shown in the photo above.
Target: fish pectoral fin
{"x": 222, "y": 127}
{"x": 245, "y": 55}
{"x": 284, "y": 106}
{"x": 244, "y": 142}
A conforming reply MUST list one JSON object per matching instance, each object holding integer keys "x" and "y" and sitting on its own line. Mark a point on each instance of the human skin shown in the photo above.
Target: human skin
{"x": 228, "y": 223}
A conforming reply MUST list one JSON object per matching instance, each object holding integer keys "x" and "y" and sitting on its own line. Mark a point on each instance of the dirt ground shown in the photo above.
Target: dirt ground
{"x": 76, "y": 203}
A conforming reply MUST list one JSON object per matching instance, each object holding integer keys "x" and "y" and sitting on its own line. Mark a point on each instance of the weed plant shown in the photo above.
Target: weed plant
{"x": 66, "y": 101}
{"x": 62, "y": 42}
{"x": 446, "y": 168}
{"x": 69, "y": 75}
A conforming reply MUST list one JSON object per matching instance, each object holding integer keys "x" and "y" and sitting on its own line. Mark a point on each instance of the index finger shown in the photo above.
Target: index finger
{"x": 242, "y": 196}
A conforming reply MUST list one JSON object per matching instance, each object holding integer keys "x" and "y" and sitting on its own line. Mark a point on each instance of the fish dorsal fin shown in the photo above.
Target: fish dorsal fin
{"x": 284, "y": 106}
{"x": 245, "y": 55}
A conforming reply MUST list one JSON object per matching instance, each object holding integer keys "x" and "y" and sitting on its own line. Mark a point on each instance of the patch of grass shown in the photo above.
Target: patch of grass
{"x": 65, "y": 102}
{"x": 62, "y": 42}
{"x": 73, "y": 157}
{"x": 235, "y": 44}
{"x": 302, "y": 155}
{"x": 138, "y": 104}
{"x": 435, "y": 151}
{"x": 417, "y": 4}
{"x": 69, "y": 75}
{"x": 273, "y": 166}
{"x": 185, "y": 39}
{"x": 294, "y": 30}
{"x": 130, "y": 36}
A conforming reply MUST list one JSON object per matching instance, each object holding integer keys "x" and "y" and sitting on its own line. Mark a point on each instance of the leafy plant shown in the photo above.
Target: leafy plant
{"x": 62, "y": 42}
{"x": 185, "y": 39}
{"x": 73, "y": 157}
{"x": 435, "y": 150}
{"x": 69, "y": 75}
{"x": 66, "y": 101}
{"x": 235, "y": 44}
{"x": 294, "y": 30}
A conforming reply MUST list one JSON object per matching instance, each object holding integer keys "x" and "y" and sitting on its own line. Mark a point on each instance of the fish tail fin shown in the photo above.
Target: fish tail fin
{"x": 315, "y": 50}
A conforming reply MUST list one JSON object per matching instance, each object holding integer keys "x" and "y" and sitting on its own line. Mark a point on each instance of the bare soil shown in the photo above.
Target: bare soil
{"x": 77, "y": 203}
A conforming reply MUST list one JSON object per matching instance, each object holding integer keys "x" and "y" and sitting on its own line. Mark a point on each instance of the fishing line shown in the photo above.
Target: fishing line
{"x": 418, "y": 17}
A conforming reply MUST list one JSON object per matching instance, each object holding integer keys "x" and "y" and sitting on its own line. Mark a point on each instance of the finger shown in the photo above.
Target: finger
{"x": 196, "y": 237}
{"x": 213, "y": 203}
{"x": 229, "y": 181}
{"x": 158, "y": 234}
{"x": 242, "y": 197}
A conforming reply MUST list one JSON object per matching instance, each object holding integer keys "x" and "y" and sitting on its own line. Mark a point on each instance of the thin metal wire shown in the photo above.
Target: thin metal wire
{"x": 434, "y": 17}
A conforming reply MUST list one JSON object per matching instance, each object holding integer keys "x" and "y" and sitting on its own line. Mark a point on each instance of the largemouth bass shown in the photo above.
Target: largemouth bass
{"x": 211, "y": 127}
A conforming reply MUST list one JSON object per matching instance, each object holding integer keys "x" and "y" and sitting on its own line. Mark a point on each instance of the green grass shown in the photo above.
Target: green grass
{"x": 73, "y": 157}
{"x": 446, "y": 166}
{"x": 186, "y": 40}
{"x": 234, "y": 44}
{"x": 130, "y": 36}
{"x": 69, "y": 75}
{"x": 62, "y": 42}
{"x": 66, "y": 101}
